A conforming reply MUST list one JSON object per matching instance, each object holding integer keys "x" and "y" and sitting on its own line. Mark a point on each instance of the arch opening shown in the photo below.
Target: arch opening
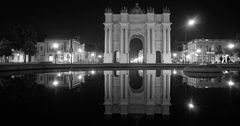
{"x": 136, "y": 51}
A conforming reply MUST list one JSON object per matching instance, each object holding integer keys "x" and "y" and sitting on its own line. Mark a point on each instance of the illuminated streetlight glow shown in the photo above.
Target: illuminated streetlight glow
{"x": 58, "y": 52}
{"x": 230, "y": 46}
{"x": 174, "y": 54}
{"x": 59, "y": 74}
{"x": 79, "y": 77}
{"x": 55, "y": 83}
{"x": 188, "y": 56}
{"x": 92, "y": 54}
{"x": 190, "y": 105}
{"x": 198, "y": 50}
{"x": 230, "y": 83}
{"x": 18, "y": 54}
{"x": 191, "y": 22}
{"x": 99, "y": 56}
{"x": 80, "y": 50}
{"x": 174, "y": 72}
{"x": 93, "y": 72}
{"x": 55, "y": 45}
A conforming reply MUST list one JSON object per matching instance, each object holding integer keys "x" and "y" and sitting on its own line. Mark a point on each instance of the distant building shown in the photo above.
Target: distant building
{"x": 17, "y": 57}
{"x": 60, "y": 51}
{"x": 207, "y": 50}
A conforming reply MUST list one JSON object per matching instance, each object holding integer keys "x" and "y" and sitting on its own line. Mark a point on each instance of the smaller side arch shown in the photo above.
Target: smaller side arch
{"x": 158, "y": 57}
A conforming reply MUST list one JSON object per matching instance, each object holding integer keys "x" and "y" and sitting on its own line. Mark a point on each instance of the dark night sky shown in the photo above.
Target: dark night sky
{"x": 217, "y": 19}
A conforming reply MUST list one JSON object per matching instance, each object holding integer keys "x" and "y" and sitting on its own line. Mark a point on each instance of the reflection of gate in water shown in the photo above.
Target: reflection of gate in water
{"x": 150, "y": 96}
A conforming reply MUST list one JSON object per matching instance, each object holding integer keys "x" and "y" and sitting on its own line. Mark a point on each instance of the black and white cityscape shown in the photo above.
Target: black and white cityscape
{"x": 128, "y": 62}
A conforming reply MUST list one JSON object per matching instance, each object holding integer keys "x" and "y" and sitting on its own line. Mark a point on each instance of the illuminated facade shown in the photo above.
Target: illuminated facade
{"x": 207, "y": 50}
{"x": 62, "y": 52}
{"x": 61, "y": 79}
{"x": 149, "y": 97}
{"x": 152, "y": 29}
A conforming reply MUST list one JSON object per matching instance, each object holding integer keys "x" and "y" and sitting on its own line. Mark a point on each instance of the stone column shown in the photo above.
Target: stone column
{"x": 105, "y": 41}
{"x": 164, "y": 40}
{"x": 164, "y": 86}
{"x": 126, "y": 40}
{"x": 169, "y": 40}
{"x": 110, "y": 39}
{"x": 121, "y": 39}
{"x": 153, "y": 40}
{"x": 148, "y": 40}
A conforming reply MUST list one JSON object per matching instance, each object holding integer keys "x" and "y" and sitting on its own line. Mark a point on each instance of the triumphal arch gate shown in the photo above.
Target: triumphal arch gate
{"x": 152, "y": 30}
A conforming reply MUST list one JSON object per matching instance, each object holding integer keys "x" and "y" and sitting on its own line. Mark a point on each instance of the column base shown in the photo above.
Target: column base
{"x": 167, "y": 58}
{"x": 124, "y": 58}
{"x": 150, "y": 58}
{"x": 108, "y": 58}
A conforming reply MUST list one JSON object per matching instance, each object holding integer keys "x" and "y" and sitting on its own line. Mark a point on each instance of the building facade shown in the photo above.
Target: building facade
{"x": 152, "y": 29}
{"x": 60, "y": 51}
{"x": 208, "y": 51}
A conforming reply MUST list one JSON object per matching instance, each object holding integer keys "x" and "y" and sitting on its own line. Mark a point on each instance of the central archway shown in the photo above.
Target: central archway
{"x": 136, "y": 51}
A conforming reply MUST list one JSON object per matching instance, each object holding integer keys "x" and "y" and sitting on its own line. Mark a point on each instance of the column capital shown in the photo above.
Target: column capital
{"x": 107, "y": 24}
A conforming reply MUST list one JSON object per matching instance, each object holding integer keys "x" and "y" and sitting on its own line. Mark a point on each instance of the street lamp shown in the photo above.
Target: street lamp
{"x": 55, "y": 46}
{"x": 190, "y": 23}
{"x": 198, "y": 53}
{"x": 231, "y": 46}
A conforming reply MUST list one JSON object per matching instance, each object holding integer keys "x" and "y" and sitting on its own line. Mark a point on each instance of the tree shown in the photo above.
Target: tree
{"x": 23, "y": 38}
{"x": 29, "y": 49}
{"x": 5, "y": 49}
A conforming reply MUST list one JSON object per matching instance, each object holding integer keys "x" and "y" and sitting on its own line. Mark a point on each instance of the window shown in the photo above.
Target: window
{"x": 41, "y": 48}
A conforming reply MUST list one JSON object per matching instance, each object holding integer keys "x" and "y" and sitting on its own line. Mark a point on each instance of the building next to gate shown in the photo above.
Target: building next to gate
{"x": 209, "y": 51}
{"x": 60, "y": 51}
{"x": 152, "y": 29}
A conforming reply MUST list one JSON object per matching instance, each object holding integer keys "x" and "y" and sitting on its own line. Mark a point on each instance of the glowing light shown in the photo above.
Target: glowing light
{"x": 79, "y": 77}
{"x": 174, "y": 72}
{"x": 198, "y": 50}
{"x": 92, "y": 54}
{"x": 225, "y": 72}
{"x": 55, "y": 45}
{"x": 190, "y": 105}
{"x": 230, "y": 83}
{"x": 188, "y": 56}
{"x": 174, "y": 54}
{"x": 93, "y": 72}
{"x": 55, "y": 83}
{"x": 230, "y": 46}
{"x": 59, "y": 74}
{"x": 99, "y": 56}
{"x": 58, "y": 52}
{"x": 191, "y": 22}
{"x": 18, "y": 54}
{"x": 80, "y": 50}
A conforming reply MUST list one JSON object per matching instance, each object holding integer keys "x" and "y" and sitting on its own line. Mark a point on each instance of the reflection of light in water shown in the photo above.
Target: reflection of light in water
{"x": 55, "y": 83}
{"x": 191, "y": 105}
{"x": 174, "y": 72}
{"x": 225, "y": 72}
{"x": 230, "y": 83}
{"x": 79, "y": 77}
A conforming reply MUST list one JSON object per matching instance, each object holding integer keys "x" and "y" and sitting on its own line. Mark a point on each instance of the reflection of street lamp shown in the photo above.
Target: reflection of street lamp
{"x": 191, "y": 105}
{"x": 55, "y": 46}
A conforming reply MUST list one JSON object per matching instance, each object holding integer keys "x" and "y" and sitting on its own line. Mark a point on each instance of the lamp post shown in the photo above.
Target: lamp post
{"x": 55, "y": 46}
{"x": 190, "y": 23}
